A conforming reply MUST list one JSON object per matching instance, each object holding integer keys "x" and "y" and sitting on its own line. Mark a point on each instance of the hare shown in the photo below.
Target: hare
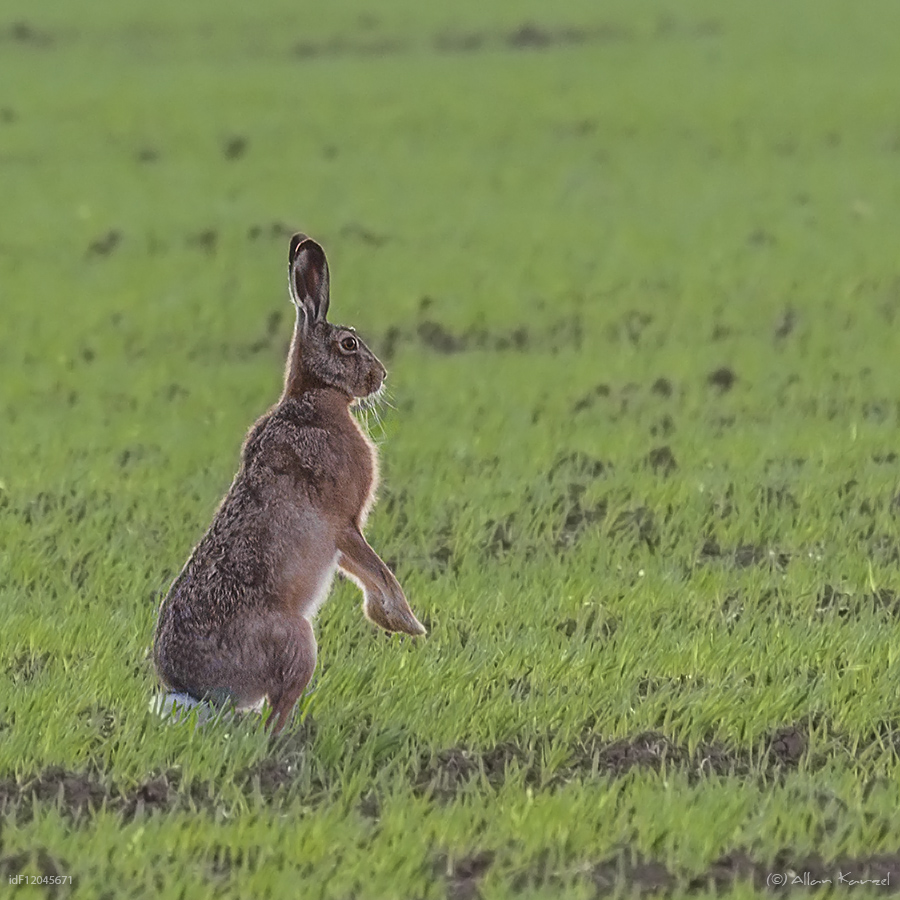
{"x": 236, "y": 625}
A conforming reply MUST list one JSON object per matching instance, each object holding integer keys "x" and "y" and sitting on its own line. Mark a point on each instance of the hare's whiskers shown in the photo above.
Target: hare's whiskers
{"x": 368, "y": 414}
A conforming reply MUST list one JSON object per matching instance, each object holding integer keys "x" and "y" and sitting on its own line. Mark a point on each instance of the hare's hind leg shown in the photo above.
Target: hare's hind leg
{"x": 294, "y": 663}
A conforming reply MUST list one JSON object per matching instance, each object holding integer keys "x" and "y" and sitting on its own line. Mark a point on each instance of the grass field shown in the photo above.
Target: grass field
{"x": 634, "y": 271}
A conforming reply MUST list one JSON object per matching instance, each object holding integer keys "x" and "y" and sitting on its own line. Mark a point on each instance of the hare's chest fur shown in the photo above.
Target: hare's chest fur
{"x": 369, "y": 462}
{"x": 317, "y": 486}
{"x": 330, "y": 457}
{"x": 320, "y": 592}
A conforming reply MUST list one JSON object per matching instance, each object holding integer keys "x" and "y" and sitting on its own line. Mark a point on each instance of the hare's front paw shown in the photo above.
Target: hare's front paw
{"x": 391, "y": 612}
{"x": 385, "y": 604}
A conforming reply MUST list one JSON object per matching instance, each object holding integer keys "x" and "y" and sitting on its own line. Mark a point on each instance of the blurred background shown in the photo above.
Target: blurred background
{"x": 633, "y": 269}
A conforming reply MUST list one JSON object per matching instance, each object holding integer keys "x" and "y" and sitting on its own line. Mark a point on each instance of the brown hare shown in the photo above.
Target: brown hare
{"x": 236, "y": 625}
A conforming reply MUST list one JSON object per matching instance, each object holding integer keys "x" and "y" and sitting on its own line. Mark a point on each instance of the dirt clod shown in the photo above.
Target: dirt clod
{"x": 722, "y": 378}
{"x": 661, "y": 460}
{"x": 785, "y": 325}
{"x": 105, "y": 244}
{"x": 235, "y": 147}
{"x": 439, "y": 339}
{"x": 205, "y": 240}
{"x": 788, "y": 746}
{"x": 463, "y": 874}
{"x": 662, "y": 387}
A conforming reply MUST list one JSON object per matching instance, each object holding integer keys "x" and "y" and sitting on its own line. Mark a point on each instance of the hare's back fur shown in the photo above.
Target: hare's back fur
{"x": 306, "y": 475}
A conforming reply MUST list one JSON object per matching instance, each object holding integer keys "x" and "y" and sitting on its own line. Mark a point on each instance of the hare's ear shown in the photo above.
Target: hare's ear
{"x": 308, "y": 277}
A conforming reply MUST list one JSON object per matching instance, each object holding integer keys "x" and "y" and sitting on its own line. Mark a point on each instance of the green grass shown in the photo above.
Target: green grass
{"x": 649, "y": 191}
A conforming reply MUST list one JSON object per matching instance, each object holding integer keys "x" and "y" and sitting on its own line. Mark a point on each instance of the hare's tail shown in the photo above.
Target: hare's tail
{"x": 176, "y": 706}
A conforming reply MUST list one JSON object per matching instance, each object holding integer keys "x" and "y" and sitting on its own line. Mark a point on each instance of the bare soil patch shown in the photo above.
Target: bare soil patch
{"x": 630, "y": 874}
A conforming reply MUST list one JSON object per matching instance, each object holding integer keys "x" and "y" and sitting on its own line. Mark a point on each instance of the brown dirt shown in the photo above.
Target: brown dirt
{"x": 577, "y": 519}
{"x": 626, "y": 873}
{"x": 206, "y": 241}
{"x": 356, "y": 231}
{"x": 743, "y": 556}
{"x": 438, "y": 338}
{"x": 662, "y": 460}
{"x": 534, "y": 37}
{"x": 83, "y": 793}
{"x": 787, "y": 873}
{"x": 105, "y": 244}
{"x": 463, "y": 875}
{"x": 639, "y": 524}
{"x": 369, "y": 47}
{"x": 444, "y": 774}
{"x": 26, "y": 667}
{"x": 37, "y": 862}
{"x": 843, "y": 605}
{"x": 723, "y": 378}
{"x": 25, "y": 33}
{"x": 786, "y": 324}
{"x": 528, "y": 36}
{"x": 590, "y": 399}
{"x": 235, "y": 146}
{"x": 662, "y": 387}
{"x": 278, "y": 771}
{"x": 273, "y": 231}
{"x": 579, "y": 466}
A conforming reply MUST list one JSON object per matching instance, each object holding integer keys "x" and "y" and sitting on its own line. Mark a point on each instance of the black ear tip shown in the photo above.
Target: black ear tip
{"x": 298, "y": 239}
{"x": 314, "y": 250}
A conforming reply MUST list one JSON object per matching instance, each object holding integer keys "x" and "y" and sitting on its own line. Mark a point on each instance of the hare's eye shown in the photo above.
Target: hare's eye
{"x": 349, "y": 344}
